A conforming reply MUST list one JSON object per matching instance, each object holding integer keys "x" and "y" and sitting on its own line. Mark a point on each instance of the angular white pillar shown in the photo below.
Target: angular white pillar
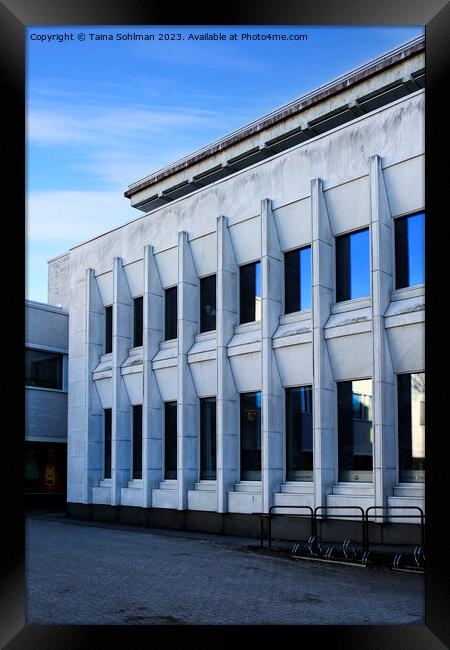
{"x": 227, "y": 398}
{"x": 383, "y": 381}
{"x": 93, "y": 443}
{"x": 324, "y": 387}
{"x": 272, "y": 393}
{"x": 121, "y": 407}
{"x": 152, "y": 414}
{"x": 187, "y": 409}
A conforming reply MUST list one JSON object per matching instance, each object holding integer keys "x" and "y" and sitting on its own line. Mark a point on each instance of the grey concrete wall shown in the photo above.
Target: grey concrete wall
{"x": 46, "y": 328}
{"x": 46, "y": 325}
{"x": 45, "y": 414}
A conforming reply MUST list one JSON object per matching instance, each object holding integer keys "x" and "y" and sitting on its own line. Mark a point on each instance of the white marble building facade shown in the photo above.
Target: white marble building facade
{"x": 364, "y": 173}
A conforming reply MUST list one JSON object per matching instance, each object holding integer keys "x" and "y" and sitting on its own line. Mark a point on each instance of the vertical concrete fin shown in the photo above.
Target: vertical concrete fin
{"x": 225, "y": 251}
{"x": 153, "y": 324}
{"x": 321, "y": 227}
{"x": 379, "y": 201}
{"x": 383, "y": 381}
{"x": 270, "y": 243}
{"x": 94, "y": 346}
{"x": 227, "y": 399}
{"x": 187, "y": 411}
{"x": 272, "y": 392}
{"x": 121, "y": 407}
{"x": 324, "y": 387}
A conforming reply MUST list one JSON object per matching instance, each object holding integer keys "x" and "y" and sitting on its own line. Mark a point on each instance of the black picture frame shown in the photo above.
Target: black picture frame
{"x": 15, "y": 15}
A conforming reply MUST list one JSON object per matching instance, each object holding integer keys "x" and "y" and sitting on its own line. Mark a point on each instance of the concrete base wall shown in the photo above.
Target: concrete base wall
{"x": 244, "y": 525}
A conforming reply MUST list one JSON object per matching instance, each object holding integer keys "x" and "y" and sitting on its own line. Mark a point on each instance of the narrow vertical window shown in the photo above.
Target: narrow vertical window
{"x": 355, "y": 433}
{"x": 171, "y": 315}
{"x": 250, "y": 293}
{"x": 208, "y": 304}
{"x": 353, "y": 265}
{"x": 410, "y": 250}
{"x": 170, "y": 440}
{"x": 137, "y": 441}
{"x": 299, "y": 434}
{"x": 297, "y": 280}
{"x": 208, "y": 439}
{"x": 411, "y": 427}
{"x": 250, "y": 407}
{"x": 108, "y": 329}
{"x": 107, "y": 413}
{"x": 137, "y": 321}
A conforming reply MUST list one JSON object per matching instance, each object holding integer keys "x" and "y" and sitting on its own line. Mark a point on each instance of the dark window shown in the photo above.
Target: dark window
{"x": 208, "y": 439}
{"x": 137, "y": 441}
{"x": 107, "y": 443}
{"x": 250, "y": 404}
{"x": 411, "y": 427}
{"x": 43, "y": 369}
{"x": 297, "y": 280}
{"x": 355, "y": 430}
{"x": 299, "y": 434}
{"x": 208, "y": 304}
{"x": 171, "y": 313}
{"x": 170, "y": 440}
{"x": 108, "y": 329}
{"x": 353, "y": 265}
{"x": 137, "y": 322}
{"x": 410, "y": 250}
{"x": 250, "y": 292}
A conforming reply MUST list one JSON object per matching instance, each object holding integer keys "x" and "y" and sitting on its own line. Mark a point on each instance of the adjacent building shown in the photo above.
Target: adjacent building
{"x": 46, "y": 363}
{"x": 256, "y": 337}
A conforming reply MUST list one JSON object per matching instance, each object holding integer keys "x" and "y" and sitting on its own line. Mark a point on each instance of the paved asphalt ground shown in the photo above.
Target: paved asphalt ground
{"x": 92, "y": 573}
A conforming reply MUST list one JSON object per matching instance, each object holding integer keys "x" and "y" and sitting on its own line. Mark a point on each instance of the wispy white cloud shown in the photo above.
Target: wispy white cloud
{"x": 65, "y": 218}
{"x": 100, "y": 125}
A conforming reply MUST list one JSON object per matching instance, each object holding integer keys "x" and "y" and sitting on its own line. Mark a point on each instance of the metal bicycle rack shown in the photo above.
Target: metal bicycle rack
{"x": 347, "y": 552}
{"x": 412, "y": 561}
{"x": 268, "y": 518}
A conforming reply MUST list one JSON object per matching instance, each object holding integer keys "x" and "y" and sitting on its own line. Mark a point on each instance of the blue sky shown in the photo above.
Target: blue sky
{"x": 102, "y": 114}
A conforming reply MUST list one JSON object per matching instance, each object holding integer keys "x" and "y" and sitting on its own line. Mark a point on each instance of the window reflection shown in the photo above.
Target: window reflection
{"x": 411, "y": 427}
{"x": 297, "y": 280}
{"x": 250, "y": 293}
{"x": 43, "y": 369}
{"x": 208, "y": 439}
{"x": 137, "y": 441}
{"x": 208, "y": 303}
{"x": 250, "y": 407}
{"x": 410, "y": 250}
{"x": 299, "y": 434}
{"x": 355, "y": 432}
{"x": 170, "y": 440}
{"x": 353, "y": 265}
{"x": 171, "y": 316}
{"x": 107, "y": 442}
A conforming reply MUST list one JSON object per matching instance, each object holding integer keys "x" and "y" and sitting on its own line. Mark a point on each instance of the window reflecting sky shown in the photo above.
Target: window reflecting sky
{"x": 359, "y": 264}
{"x": 305, "y": 278}
{"x": 416, "y": 249}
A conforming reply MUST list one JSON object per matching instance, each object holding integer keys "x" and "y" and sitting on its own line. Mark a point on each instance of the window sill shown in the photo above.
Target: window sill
{"x": 205, "y": 336}
{"x": 408, "y": 292}
{"x": 170, "y": 343}
{"x": 296, "y": 316}
{"x": 51, "y": 390}
{"x": 248, "y": 327}
{"x": 350, "y": 305}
